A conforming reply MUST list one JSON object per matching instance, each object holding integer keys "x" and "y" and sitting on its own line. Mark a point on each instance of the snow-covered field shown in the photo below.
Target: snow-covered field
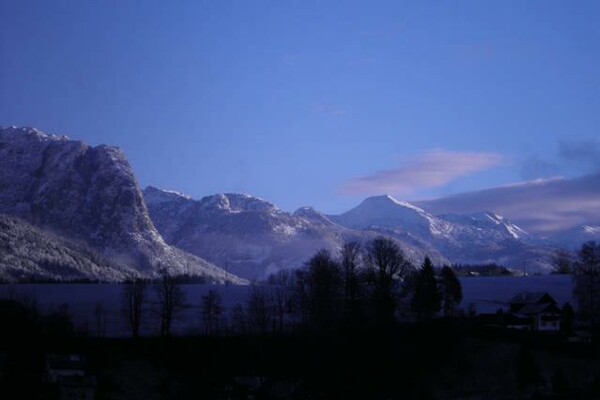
{"x": 488, "y": 294}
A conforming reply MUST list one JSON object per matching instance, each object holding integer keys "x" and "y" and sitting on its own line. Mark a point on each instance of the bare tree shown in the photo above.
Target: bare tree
{"x": 212, "y": 310}
{"x": 100, "y": 318}
{"x": 171, "y": 300}
{"x": 350, "y": 262}
{"x": 134, "y": 297}
{"x": 259, "y": 310}
{"x": 324, "y": 279}
{"x": 562, "y": 262}
{"x": 238, "y": 319}
{"x": 388, "y": 266}
{"x": 586, "y": 275}
{"x": 282, "y": 284}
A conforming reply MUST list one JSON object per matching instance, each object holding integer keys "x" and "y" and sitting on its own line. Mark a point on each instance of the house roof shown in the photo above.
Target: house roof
{"x": 531, "y": 298}
{"x": 532, "y": 309}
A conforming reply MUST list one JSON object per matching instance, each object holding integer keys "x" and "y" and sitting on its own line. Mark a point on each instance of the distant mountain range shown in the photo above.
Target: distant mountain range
{"x": 72, "y": 211}
{"x": 252, "y": 238}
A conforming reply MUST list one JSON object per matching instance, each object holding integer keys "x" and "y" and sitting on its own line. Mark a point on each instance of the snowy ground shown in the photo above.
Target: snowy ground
{"x": 488, "y": 294}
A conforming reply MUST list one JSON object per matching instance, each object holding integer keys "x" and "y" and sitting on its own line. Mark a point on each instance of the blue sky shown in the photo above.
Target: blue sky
{"x": 313, "y": 102}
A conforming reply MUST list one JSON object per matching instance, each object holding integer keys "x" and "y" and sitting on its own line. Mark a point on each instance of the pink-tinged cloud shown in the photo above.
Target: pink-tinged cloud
{"x": 432, "y": 169}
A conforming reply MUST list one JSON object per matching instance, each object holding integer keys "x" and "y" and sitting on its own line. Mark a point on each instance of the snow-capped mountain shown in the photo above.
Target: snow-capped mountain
{"x": 475, "y": 238}
{"x": 387, "y": 212}
{"x": 252, "y": 237}
{"x": 89, "y": 194}
{"x": 572, "y": 239}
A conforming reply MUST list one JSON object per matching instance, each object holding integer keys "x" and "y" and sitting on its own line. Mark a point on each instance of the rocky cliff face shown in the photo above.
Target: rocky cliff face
{"x": 89, "y": 194}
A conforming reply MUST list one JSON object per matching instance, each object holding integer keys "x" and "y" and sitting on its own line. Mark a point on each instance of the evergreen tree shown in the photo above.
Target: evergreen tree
{"x": 451, "y": 291}
{"x": 426, "y": 299}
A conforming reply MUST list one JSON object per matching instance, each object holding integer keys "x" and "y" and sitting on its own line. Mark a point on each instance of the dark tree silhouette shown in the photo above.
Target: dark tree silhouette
{"x": 567, "y": 318}
{"x": 350, "y": 263}
{"x": 171, "y": 301}
{"x": 212, "y": 311}
{"x": 426, "y": 300}
{"x": 282, "y": 284}
{"x": 562, "y": 262}
{"x": 586, "y": 275}
{"x": 259, "y": 311}
{"x": 238, "y": 320}
{"x": 324, "y": 280}
{"x": 134, "y": 298}
{"x": 100, "y": 318}
{"x": 451, "y": 291}
{"x": 388, "y": 266}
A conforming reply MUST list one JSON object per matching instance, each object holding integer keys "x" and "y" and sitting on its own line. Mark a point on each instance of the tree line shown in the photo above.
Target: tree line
{"x": 360, "y": 287}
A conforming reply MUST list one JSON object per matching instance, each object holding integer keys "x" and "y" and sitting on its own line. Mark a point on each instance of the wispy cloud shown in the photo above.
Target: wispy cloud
{"x": 431, "y": 169}
{"x": 543, "y": 206}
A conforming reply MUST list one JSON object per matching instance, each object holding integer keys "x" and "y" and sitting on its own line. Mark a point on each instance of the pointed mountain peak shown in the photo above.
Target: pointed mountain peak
{"x": 388, "y": 201}
{"x": 386, "y": 211}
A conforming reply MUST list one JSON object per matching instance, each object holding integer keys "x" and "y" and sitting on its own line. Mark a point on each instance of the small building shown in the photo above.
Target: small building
{"x": 539, "y": 308}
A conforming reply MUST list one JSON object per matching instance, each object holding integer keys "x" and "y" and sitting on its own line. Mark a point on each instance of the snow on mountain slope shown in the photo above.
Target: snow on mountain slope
{"x": 387, "y": 212}
{"x": 487, "y": 221}
{"x": 251, "y": 237}
{"x": 90, "y": 194}
{"x": 28, "y": 253}
{"x": 572, "y": 239}
{"x": 475, "y": 238}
